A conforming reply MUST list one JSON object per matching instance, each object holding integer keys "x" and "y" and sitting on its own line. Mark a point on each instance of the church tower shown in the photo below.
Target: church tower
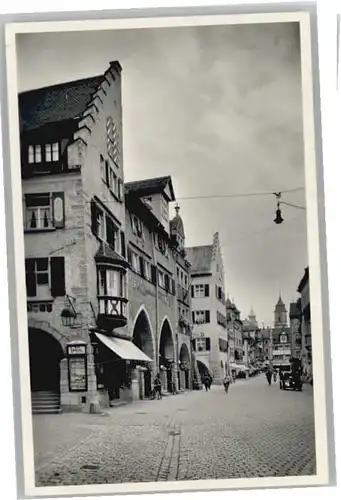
{"x": 280, "y": 314}
{"x": 177, "y": 229}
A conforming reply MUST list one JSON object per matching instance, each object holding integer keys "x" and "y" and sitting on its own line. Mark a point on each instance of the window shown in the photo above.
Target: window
{"x": 164, "y": 209}
{"x": 201, "y": 317}
{"x": 112, "y": 141}
{"x": 34, "y": 154}
{"x": 52, "y": 152}
{"x": 44, "y": 211}
{"x": 283, "y": 338}
{"x": 199, "y": 291}
{"x": 137, "y": 226}
{"x": 104, "y": 227}
{"x": 38, "y": 211}
{"x": 111, "y": 283}
{"x": 147, "y": 270}
{"x": 45, "y": 277}
{"x": 202, "y": 344}
{"x": 161, "y": 279}
{"x": 135, "y": 262}
{"x": 102, "y": 167}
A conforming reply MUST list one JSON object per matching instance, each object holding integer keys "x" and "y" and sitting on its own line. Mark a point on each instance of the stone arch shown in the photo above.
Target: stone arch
{"x": 143, "y": 336}
{"x": 203, "y": 368}
{"x": 166, "y": 340}
{"x": 184, "y": 356}
{"x": 46, "y": 327}
{"x": 45, "y": 355}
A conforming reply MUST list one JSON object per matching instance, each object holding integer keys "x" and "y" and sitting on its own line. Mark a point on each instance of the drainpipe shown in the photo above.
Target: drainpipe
{"x": 156, "y": 307}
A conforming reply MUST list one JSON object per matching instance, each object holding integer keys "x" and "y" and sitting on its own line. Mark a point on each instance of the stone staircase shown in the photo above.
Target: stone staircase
{"x": 45, "y": 402}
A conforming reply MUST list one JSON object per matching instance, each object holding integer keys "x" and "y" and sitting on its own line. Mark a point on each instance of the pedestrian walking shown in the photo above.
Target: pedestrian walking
{"x": 158, "y": 386}
{"x": 226, "y": 382}
{"x": 275, "y": 376}
{"x": 268, "y": 375}
{"x": 206, "y": 381}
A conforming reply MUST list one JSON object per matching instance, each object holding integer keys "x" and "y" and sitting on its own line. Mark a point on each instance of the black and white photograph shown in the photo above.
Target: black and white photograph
{"x": 166, "y": 200}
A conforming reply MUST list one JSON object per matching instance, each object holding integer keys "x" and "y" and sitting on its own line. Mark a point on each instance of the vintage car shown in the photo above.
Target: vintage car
{"x": 290, "y": 379}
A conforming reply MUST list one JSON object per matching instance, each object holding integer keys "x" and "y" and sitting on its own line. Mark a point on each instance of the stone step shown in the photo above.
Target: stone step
{"x": 46, "y": 411}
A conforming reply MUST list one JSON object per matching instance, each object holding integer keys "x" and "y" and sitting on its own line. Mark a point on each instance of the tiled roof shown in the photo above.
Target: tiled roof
{"x": 56, "y": 103}
{"x": 105, "y": 252}
{"x": 176, "y": 225}
{"x": 146, "y": 187}
{"x": 200, "y": 257}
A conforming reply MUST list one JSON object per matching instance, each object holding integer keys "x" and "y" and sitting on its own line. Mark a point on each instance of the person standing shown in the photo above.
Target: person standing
{"x": 226, "y": 382}
{"x": 268, "y": 374}
{"x": 158, "y": 386}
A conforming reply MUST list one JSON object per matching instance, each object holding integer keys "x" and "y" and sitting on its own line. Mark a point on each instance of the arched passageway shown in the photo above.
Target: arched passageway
{"x": 185, "y": 366}
{"x": 166, "y": 356}
{"x": 45, "y": 356}
{"x": 143, "y": 339}
{"x": 203, "y": 370}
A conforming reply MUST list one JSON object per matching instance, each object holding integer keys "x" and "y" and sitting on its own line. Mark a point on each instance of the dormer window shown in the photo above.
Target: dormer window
{"x": 46, "y": 154}
{"x": 34, "y": 154}
{"x": 52, "y": 152}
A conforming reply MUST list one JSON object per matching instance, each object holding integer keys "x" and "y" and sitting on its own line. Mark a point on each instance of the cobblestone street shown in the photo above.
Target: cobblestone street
{"x": 254, "y": 431}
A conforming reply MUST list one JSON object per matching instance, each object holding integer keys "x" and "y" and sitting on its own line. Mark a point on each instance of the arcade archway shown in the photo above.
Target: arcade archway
{"x": 203, "y": 370}
{"x": 166, "y": 355}
{"x": 185, "y": 366}
{"x": 46, "y": 354}
{"x": 143, "y": 339}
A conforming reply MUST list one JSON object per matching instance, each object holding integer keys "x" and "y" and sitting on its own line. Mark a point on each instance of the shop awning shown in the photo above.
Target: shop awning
{"x": 123, "y": 348}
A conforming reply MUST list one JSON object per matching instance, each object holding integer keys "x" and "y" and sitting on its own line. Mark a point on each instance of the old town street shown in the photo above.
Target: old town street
{"x": 255, "y": 430}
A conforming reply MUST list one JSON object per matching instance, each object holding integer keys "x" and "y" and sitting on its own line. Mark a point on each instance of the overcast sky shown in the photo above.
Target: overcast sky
{"x": 219, "y": 109}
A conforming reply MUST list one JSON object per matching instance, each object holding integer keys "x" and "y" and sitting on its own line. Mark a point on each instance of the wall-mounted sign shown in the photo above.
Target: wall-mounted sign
{"x": 76, "y": 349}
{"x": 77, "y": 367}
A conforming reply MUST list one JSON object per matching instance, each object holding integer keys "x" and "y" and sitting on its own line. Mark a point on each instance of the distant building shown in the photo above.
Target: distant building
{"x": 295, "y": 328}
{"x": 251, "y": 352}
{"x": 280, "y": 341}
{"x": 306, "y": 351}
{"x": 235, "y": 335}
{"x": 208, "y": 308}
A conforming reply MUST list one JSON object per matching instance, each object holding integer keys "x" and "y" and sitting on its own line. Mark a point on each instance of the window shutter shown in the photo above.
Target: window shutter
{"x": 193, "y": 344}
{"x": 173, "y": 287}
{"x": 208, "y": 344}
{"x": 192, "y": 290}
{"x": 93, "y": 217}
{"x": 31, "y": 285}
{"x": 193, "y": 317}
{"x": 123, "y": 245}
{"x": 207, "y": 316}
{"x": 167, "y": 283}
{"x": 142, "y": 266}
{"x": 153, "y": 272}
{"x": 130, "y": 257}
{"x": 207, "y": 290}
{"x": 58, "y": 210}
{"x": 107, "y": 174}
{"x": 57, "y": 267}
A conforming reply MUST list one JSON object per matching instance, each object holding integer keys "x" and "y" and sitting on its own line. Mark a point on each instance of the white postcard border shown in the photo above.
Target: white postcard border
{"x": 320, "y": 410}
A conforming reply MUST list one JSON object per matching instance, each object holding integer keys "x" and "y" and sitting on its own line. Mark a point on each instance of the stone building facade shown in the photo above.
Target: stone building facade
{"x": 235, "y": 336}
{"x": 280, "y": 336}
{"x": 306, "y": 344}
{"x": 75, "y": 247}
{"x": 210, "y": 341}
{"x": 158, "y": 284}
